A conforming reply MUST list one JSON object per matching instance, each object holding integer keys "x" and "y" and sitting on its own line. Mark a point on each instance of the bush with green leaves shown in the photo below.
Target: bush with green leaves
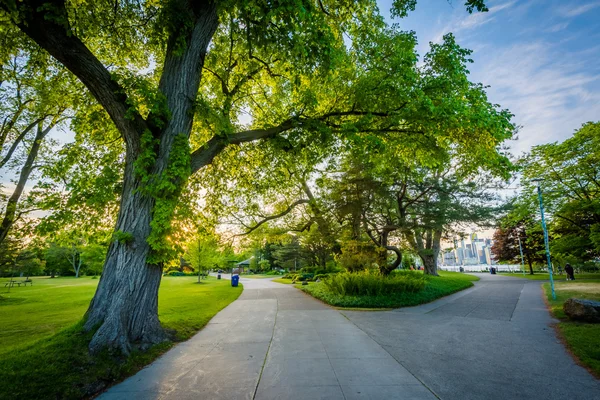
{"x": 357, "y": 256}
{"x": 273, "y": 272}
{"x": 373, "y": 283}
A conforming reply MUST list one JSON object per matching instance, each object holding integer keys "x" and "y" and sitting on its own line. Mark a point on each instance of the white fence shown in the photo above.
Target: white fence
{"x": 482, "y": 267}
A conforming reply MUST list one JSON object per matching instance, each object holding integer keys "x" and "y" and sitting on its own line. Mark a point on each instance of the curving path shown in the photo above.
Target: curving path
{"x": 489, "y": 342}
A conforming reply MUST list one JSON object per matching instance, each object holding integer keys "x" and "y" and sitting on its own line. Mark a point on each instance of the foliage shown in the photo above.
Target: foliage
{"x": 568, "y": 177}
{"x": 373, "y": 284}
{"x": 514, "y": 226}
{"x": 289, "y": 256}
{"x": 435, "y": 288}
{"x": 51, "y": 347}
{"x": 17, "y": 259}
{"x": 356, "y": 256}
{"x": 205, "y": 253}
{"x": 264, "y": 265}
{"x": 321, "y": 75}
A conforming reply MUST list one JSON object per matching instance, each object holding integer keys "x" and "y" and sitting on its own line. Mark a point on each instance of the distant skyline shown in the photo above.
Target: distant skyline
{"x": 540, "y": 58}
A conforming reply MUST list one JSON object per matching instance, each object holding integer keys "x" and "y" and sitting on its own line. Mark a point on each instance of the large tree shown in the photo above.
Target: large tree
{"x": 570, "y": 181}
{"x": 515, "y": 227}
{"x": 154, "y": 113}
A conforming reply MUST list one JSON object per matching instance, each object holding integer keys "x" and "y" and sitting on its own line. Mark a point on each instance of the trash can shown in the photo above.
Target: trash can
{"x": 235, "y": 279}
{"x": 218, "y": 276}
{"x": 461, "y": 269}
{"x": 493, "y": 271}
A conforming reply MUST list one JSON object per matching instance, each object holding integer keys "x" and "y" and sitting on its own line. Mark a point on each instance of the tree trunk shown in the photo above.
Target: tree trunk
{"x": 386, "y": 268}
{"x": 429, "y": 264}
{"x": 530, "y": 265}
{"x": 124, "y": 309}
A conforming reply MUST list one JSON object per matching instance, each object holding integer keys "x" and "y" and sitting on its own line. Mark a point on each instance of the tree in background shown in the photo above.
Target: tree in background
{"x": 92, "y": 257}
{"x": 35, "y": 96}
{"x": 570, "y": 173}
{"x": 205, "y": 254}
{"x": 505, "y": 247}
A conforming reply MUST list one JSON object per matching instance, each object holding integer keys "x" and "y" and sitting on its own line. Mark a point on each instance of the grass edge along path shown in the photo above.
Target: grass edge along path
{"x": 543, "y": 276}
{"x": 60, "y": 367}
{"x": 437, "y": 287}
{"x": 581, "y": 339}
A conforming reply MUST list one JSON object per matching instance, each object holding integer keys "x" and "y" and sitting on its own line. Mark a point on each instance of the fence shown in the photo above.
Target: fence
{"x": 482, "y": 267}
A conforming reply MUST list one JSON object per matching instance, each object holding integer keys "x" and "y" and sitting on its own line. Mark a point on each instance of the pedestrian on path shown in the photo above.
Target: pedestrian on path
{"x": 570, "y": 272}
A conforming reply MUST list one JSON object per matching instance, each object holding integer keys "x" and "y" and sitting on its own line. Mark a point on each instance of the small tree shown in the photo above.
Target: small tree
{"x": 204, "y": 254}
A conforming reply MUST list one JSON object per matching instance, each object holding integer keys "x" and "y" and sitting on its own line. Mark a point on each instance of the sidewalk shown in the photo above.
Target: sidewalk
{"x": 274, "y": 342}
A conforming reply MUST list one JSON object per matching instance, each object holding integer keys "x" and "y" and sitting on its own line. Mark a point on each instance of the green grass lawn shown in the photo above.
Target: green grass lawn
{"x": 447, "y": 283}
{"x": 289, "y": 282}
{"x": 543, "y": 276}
{"x": 582, "y": 339}
{"x": 258, "y": 276}
{"x": 282, "y": 280}
{"x": 43, "y": 353}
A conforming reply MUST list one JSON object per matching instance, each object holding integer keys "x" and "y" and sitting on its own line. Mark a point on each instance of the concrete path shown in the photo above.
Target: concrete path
{"x": 275, "y": 342}
{"x": 493, "y": 341}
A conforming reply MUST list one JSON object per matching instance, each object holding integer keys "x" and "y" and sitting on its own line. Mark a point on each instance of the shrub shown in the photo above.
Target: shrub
{"x": 323, "y": 275}
{"x": 373, "y": 284}
{"x": 274, "y": 272}
{"x": 357, "y": 256}
{"x": 179, "y": 273}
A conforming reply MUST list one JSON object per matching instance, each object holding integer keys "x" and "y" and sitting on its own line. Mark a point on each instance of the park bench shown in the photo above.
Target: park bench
{"x": 13, "y": 283}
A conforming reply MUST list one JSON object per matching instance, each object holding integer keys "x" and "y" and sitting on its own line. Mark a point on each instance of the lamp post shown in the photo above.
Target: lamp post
{"x": 539, "y": 191}
{"x": 522, "y": 259}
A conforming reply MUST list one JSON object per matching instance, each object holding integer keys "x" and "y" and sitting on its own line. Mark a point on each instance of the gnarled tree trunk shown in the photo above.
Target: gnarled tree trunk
{"x": 124, "y": 310}
{"x": 429, "y": 263}
{"x": 125, "y": 307}
{"x": 430, "y": 250}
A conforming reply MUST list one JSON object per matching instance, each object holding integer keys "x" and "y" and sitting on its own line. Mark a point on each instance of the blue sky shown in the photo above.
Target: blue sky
{"x": 541, "y": 58}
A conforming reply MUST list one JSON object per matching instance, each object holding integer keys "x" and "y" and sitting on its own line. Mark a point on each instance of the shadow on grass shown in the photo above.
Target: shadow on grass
{"x": 61, "y": 367}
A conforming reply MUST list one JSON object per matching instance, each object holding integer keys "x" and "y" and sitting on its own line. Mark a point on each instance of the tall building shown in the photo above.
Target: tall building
{"x": 474, "y": 253}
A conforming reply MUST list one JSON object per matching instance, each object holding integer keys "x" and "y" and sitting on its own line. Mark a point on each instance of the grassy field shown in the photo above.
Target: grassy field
{"x": 447, "y": 283}
{"x": 582, "y": 339}
{"x": 258, "y": 276}
{"x": 543, "y": 276}
{"x": 282, "y": 280}
{"x": 43, "y": 354}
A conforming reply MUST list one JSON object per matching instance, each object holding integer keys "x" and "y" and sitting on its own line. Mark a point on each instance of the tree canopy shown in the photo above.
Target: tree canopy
{"x": 231, "y": 93}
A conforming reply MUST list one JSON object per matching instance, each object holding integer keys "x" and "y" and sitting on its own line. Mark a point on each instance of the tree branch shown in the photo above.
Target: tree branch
{"x": 206, "y": 154}
{"x": 46, "y": 22}
{"x": 275, "y": 216}
{"x": 19, "y": 139}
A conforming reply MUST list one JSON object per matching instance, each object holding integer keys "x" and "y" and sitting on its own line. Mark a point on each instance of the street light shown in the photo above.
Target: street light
{"x": 539, "y": 191}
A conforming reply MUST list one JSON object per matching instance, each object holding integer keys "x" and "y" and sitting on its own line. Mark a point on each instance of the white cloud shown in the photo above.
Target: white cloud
{"x": 557, "y": 27}
{"x": 578, "y": 10}
{"x": 550, "y": 96}
{"x": 460, "y": 23}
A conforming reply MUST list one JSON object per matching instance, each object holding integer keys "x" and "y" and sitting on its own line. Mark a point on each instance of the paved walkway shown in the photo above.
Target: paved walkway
{"x": 489, "y": 342}
{"x": 274, "y": 342}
